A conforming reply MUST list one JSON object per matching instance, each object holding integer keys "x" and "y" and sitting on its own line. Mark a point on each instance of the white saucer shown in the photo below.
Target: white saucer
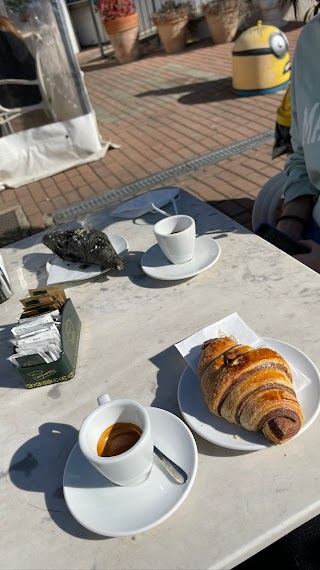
{"x": 219, "y": 431}
{"x": 109, "y": 510}
{"x": 155, "y": 264}
{"x": 60, "y": 271}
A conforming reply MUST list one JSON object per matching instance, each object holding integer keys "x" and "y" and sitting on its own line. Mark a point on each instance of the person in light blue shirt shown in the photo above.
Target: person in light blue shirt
{"x": 300, "y": 217}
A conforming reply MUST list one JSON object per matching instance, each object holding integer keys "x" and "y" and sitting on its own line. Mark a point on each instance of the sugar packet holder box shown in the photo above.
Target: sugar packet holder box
{"x": 64, "y": 368}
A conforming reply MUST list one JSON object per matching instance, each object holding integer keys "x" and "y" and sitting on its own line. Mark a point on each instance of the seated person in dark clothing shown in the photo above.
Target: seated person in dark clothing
{"x": 16, "y": 62}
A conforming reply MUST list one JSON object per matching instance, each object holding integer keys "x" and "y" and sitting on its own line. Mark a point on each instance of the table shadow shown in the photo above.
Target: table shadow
{"x": 38, "y": 466}
{"x": 9, "y": 377}
{"x": 35, "y": 263}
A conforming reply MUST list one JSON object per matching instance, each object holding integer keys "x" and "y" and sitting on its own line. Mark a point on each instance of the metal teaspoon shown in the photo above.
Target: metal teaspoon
{"x": 178, "y": 474}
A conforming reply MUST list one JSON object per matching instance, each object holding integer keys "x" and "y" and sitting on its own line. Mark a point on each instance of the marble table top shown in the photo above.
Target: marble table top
{"x": 240, "y": 502}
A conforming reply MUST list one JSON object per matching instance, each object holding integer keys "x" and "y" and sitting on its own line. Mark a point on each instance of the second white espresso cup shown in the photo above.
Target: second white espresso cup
{"x": 134, "y": 465}
{"x": 176, "y": 237}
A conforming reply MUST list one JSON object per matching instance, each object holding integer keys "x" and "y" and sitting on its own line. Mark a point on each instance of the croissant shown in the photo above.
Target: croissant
{"x": 84, "y": 245}
{"x": 251, "y": 387}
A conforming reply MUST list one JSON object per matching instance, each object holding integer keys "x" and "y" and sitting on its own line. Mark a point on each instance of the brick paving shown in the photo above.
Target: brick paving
{"x": 164, "y": 110}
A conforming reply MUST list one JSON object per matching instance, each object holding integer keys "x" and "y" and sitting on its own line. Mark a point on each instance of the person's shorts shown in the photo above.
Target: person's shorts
{"x": 312, "y": 231}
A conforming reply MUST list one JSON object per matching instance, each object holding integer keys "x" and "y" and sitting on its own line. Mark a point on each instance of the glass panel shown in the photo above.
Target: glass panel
{"x": 41, "y": 40}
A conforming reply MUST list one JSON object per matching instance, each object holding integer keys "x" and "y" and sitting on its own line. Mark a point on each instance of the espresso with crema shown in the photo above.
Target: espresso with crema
{"x": 117, "y": 439}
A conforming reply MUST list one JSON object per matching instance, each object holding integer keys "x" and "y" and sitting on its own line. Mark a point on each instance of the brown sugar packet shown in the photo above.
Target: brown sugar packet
{"x": 56, "y": 295}
{"x": 26, "y": 314}
{"x": 55, "y": 292}
{"x": 39, "y": 310}
{"x": 43, "y": 294}
{"x": 44, "y": 299}
{"x": 30, "y": 302}
{"x": 45, "y": 309}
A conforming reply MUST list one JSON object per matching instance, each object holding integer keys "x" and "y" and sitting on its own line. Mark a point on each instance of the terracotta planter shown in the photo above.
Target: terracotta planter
{"x": 173, "y": 31}
{"x": 223, "y": 26}
{"x": 124, "y": 37}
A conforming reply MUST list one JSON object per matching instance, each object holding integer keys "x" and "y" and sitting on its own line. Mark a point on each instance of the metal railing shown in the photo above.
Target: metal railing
{"x": 145, "y": 10}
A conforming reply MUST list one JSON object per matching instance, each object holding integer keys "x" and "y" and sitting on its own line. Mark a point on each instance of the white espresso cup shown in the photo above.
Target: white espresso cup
{"x": 176, "y": 237}
{"x": 132, "y": 466}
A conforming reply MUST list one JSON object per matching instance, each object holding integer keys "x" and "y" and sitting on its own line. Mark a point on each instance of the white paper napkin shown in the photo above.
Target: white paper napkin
{"x": 235, "y": 327}
{"x": 61, "y": 271}
{"x": 142, "y": 204}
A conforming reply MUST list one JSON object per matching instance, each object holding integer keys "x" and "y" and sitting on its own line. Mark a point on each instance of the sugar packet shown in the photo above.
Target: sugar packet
{"x": 30, "y": 359}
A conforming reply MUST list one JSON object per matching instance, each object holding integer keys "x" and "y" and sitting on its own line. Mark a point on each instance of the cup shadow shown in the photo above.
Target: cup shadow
{"x": 170, "y": 367}
{"x": 35, "y": 263}
{"x": 38, "y": 467}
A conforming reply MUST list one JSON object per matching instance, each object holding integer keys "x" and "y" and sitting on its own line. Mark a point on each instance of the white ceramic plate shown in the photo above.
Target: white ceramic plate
{"x": 61, "y": 271}
{"x": 155, "y": 264}
{"x": 219, "y": 431}
{"x": 110, "y": 510}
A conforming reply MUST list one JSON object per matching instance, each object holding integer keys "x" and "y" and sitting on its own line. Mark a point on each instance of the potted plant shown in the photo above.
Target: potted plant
{"x": 223, "y": 19}
{"x": 122, "y": 26}
{"x": 172, "y": 25}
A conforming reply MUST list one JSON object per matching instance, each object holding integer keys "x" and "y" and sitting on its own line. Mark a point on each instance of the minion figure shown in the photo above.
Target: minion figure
{"x": 260, "y": 61}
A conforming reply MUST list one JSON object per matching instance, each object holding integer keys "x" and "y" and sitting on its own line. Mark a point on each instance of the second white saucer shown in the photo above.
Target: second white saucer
{"x": 155, "y": 264}
{"x": 110, "y": 510}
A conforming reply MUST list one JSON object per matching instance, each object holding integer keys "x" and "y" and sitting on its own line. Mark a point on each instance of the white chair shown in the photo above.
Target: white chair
{"x": 7, "y": 115}
{"x": 266, "y": 203}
